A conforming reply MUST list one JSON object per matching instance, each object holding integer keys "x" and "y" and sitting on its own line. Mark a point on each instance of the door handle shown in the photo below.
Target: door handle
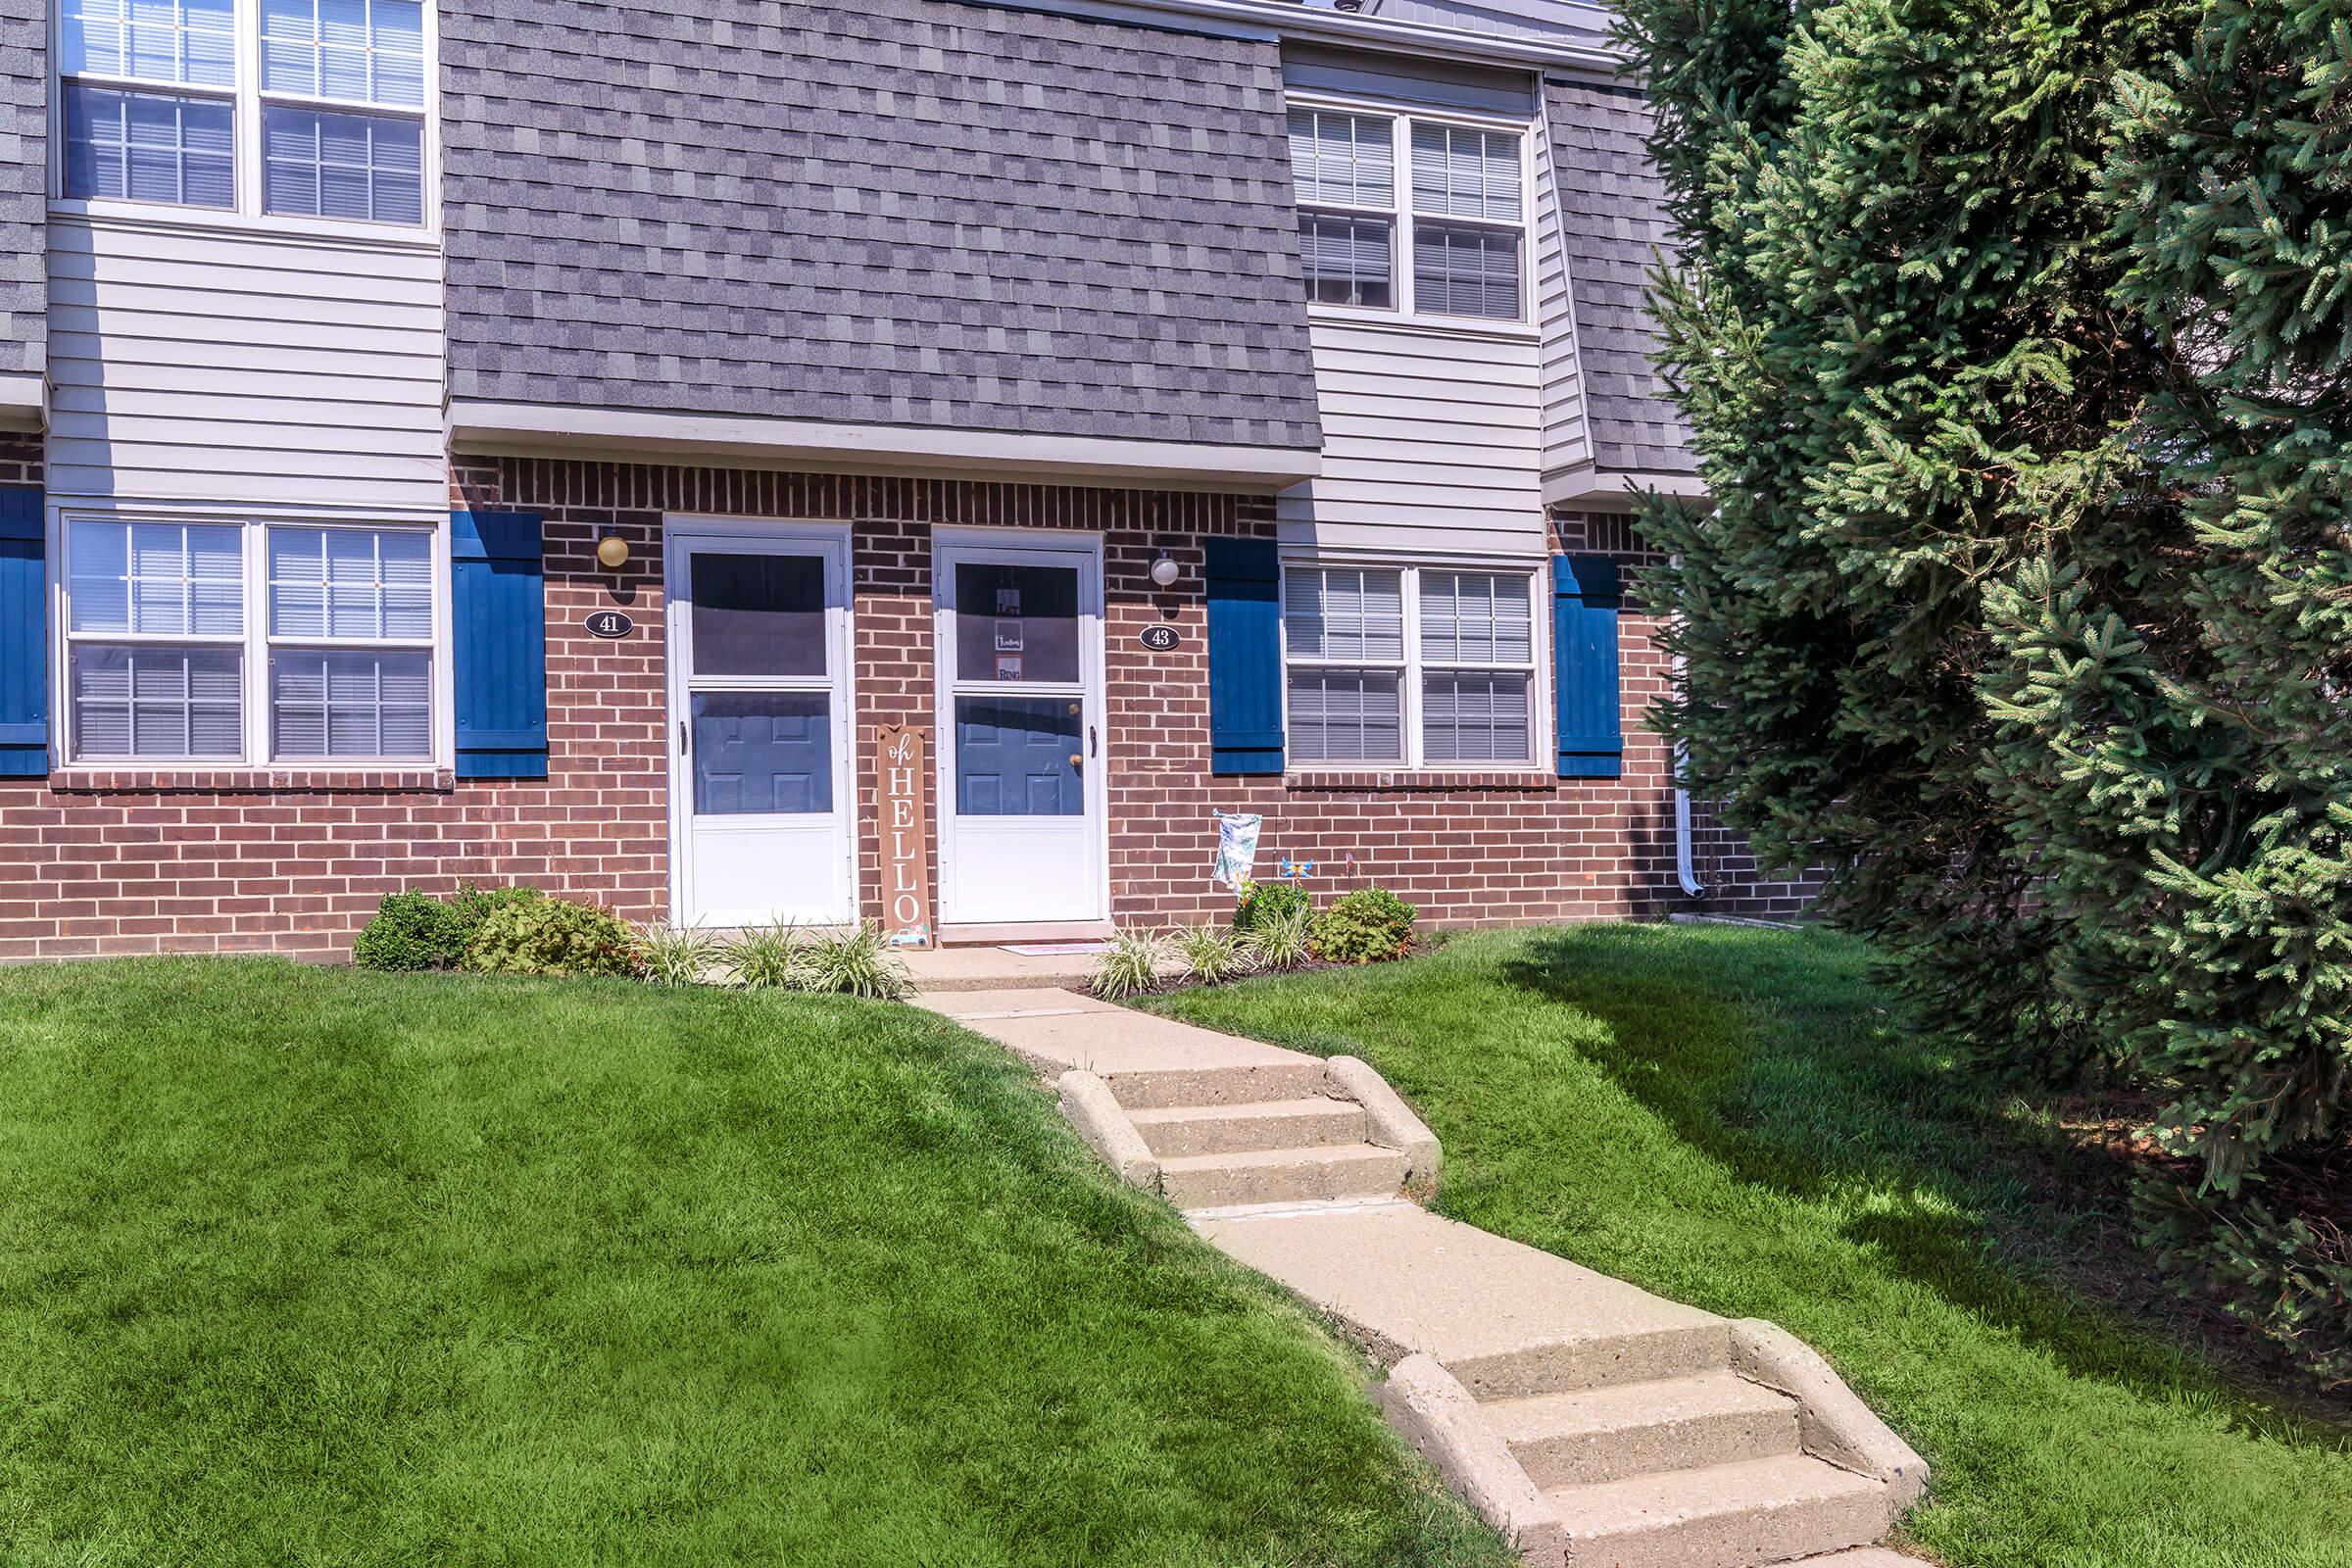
{"x": 684, "y": 745}
{"x": 1094, "y": 742}
{"x": 1077, "y": 761}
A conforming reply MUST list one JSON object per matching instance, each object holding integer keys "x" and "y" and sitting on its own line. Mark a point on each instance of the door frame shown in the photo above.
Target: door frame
{"x": 680, "y": 535}
{"x": 1020, "y": 547}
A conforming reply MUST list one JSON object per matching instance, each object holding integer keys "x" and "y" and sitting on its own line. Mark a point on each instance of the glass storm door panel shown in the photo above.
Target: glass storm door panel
{"x": 1021, "y": 637}
{"x": 758, "y": 653}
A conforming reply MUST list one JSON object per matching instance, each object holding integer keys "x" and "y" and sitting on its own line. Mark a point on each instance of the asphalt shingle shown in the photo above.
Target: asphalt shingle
{"x": 23, "y": 184}
{"x": 898, "y": 211}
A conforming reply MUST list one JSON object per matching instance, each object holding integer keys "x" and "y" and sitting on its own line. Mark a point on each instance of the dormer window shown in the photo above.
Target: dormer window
{"x": 1450, "y": 197}
{"x": 281, "y": 108}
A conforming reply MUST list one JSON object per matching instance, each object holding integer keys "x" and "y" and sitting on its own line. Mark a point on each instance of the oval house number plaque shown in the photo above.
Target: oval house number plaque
{"x": 1160, "y": 639}
{"x": 608, "y": 623}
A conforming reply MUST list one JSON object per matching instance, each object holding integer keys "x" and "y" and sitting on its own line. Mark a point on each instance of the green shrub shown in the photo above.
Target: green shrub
{"x": 1261, "y": 902}
{"x": 2288, "y": 1278}
{"x": 551, "y": 936}
{"x": 1130, "y": 965}
{"x": 1368, "y": 924}
{"x": 472, "y": 905}
{"x": 856, "y": 964}
{"x": 410, "y": 931}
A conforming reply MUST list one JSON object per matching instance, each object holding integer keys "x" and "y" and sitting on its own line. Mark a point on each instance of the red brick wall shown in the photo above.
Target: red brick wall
{"x": 145, "y": 861}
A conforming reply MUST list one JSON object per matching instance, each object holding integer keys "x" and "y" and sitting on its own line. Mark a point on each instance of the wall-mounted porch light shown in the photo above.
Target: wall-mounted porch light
{"x": 1163, "y": 570}
{"x": 611, "y": 552}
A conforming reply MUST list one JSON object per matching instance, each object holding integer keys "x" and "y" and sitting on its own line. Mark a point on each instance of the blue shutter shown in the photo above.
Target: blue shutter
{"x": 1584, "y": 665}
{"x": 498, "y": 624}
{"x": 1245, "y": 656}
{"x": 23, "y": 635}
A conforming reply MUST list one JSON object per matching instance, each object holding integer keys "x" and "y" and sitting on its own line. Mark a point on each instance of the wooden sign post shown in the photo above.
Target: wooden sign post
{"x": 906, "y": 836}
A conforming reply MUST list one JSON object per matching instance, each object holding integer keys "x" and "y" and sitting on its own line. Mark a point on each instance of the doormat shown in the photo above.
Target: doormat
{"x": 1052, "y": 949}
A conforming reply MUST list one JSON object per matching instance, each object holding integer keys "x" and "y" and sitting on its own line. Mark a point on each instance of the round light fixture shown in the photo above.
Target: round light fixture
{"x": 1164, "y": 569}
{"x": 611, "y": 552}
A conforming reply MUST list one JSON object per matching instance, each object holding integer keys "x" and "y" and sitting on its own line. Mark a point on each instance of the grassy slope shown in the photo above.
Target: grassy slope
{"x": 298, "y": 1265}
{"x": 1733, "y": 1117}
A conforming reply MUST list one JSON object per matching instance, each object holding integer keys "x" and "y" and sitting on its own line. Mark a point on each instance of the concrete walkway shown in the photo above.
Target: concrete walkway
{"x": 1592, "y": 1422}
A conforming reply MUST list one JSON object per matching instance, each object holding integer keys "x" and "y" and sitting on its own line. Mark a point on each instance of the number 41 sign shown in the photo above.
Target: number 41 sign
{"x": 906, "y": 836}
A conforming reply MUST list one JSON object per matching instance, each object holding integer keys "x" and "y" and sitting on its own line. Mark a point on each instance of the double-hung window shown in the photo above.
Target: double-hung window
{"x": 248, "y": 642}
{"x": 1409, "y": 665}
{"x": 1450, "y": 198}
{"x": 294, "y": 108}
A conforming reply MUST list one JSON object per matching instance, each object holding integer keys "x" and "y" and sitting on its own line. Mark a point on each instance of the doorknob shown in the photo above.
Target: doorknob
{"x": 1077, "y": 760}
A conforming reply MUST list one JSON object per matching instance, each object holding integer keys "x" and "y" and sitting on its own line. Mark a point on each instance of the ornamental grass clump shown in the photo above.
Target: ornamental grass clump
{"x": 856, "y": 963}
{"x": 1129, "y": 966}
{"x": 1213, "y": 953}
{"x": 1281, "y": 939}
{"x": 766, "y": 957}
{"x": 675, "y": 955}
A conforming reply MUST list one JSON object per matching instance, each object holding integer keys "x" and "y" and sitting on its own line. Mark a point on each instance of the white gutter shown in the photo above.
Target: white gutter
{"x": 1290, "y": 20}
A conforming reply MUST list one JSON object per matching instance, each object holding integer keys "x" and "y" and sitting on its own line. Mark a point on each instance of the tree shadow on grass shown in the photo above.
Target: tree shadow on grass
{"x": 1764, "y": 1050}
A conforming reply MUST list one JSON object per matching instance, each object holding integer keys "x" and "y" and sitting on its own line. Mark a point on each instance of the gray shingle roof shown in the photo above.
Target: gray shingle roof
{"x": 896, "y": 212}
{"x": 23, "y": 184}
{"x": 1614, "y": 222}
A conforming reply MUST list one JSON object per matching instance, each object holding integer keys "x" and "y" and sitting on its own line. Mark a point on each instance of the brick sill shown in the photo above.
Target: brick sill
{"x": 252, "y": 780}
{"x": 1425, "y": 780}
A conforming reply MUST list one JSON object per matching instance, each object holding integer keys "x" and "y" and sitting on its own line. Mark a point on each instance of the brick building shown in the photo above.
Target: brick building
{"x": 544, "y": 442}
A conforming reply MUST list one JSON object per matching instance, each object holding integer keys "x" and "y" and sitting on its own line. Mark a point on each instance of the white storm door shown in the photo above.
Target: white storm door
{"x": 1020, "y": 732}
{"x": 760, "y": 725}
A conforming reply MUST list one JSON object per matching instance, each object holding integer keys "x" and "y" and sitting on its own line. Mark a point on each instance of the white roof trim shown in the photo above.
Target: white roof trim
{"x": 535, "y": 429}
{"x": 1594, "y": 485}
{"x": 1287, "y": 18}
{"x": 24, "y": 400}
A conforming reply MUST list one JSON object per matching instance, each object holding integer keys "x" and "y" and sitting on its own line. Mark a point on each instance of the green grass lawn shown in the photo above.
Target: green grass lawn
{"x": 305, "y": 1266}
{"x": 1734, "y": 1118}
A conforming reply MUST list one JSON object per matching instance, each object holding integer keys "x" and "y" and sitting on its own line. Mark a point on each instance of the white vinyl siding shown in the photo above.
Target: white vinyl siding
{"x": 167, "y": 661}
{"x": 1408, "y": 667}
{"x": 241, "y": 369}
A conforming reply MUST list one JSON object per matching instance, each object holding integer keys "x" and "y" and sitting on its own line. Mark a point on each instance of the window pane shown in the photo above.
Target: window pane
{"x": 1345, "y": 612}
{"x": 762, "y": 752}
{"x": 1016, "y": 622}
{"x": 149, "y": 147}
{"x": 1475, "y": 717}
{"x": 184, "y": 42}
{"x": 157, "y": 702}
{"x": 1344, "y": 159}
{"x": 1461, "y": 173}
{"x": 1466, "y": 272}
{"x": 173, "y": 580}
{"x": 1475, "y": 617}
{"x": 757, "y": 614}
{"x": 360, "y": 166}
{"x": 350, "y": 703}
{"x": 1346, "y": 716}
{"x": 361, "y": 583}
{"x": 1347, "y": 261}
{"x": 361, "y": 51}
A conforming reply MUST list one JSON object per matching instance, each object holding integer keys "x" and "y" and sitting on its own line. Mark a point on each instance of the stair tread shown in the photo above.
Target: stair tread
{"x": 1269, "y": 1110}
{"x": 1534, "y": 1418}
{"x": 1668, "y": 1497}
{"x": 1313, "y": 1153}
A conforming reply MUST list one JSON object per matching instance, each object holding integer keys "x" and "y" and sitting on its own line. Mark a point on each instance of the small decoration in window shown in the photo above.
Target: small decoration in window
{"x": 1009, "y": 601}
{"x": 1009, "y": 636}
{"x": 1009, "y": 666}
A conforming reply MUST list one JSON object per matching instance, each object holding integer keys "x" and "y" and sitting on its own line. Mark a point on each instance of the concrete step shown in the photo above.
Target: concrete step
{"x": 1632, "y": 1428}
{"x": 1741, "y": 1515}
{"x": 1281, "y": 1175}
{"x": 1314, "y": 1121}
{"x": 1158, "y": 1088}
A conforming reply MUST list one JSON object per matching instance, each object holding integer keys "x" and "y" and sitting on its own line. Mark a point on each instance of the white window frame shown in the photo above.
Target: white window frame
{"x": 254, "y": 643}
{"x": 1412, "y": 670}
{"x": 246, "y": 163}
{"x": 1402, "y": 117}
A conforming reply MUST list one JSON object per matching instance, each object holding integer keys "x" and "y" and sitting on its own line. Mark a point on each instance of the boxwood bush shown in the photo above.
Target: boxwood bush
{"x": 418, "y": 931}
